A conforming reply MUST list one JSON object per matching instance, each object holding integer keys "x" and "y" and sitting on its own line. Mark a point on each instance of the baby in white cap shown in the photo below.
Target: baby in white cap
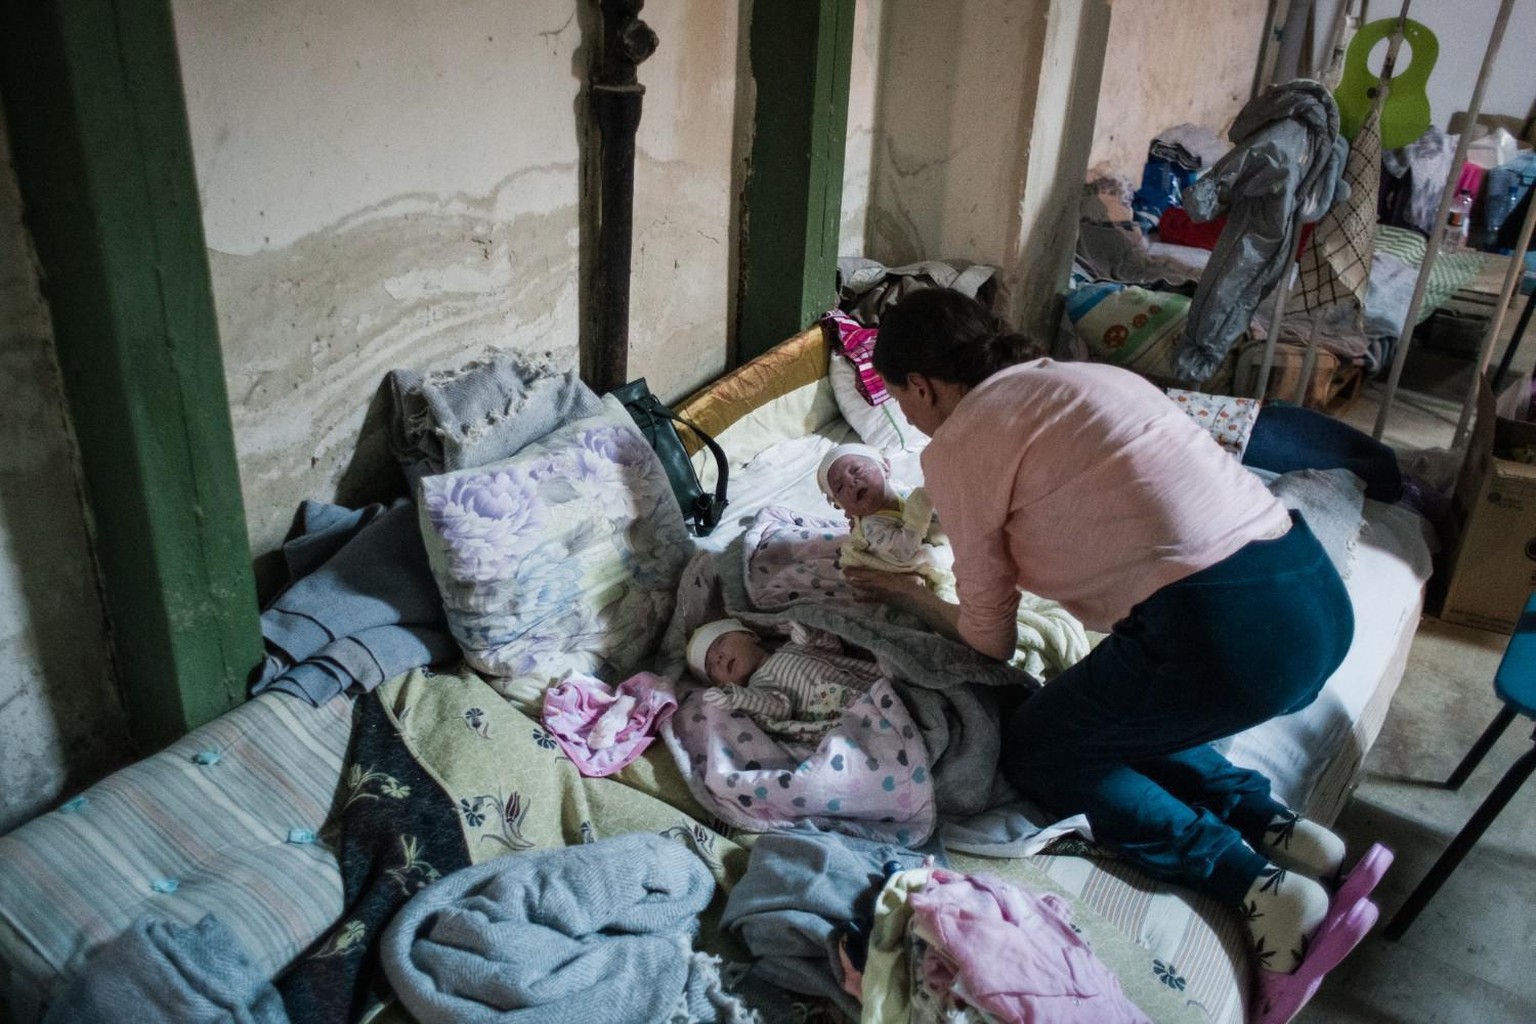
{"x": 807, "y": 679}
{"x": 886, "y": 531}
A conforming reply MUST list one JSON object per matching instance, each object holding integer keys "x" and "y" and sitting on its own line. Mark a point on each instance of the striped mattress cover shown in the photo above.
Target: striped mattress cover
{"x": 204, "y": 826}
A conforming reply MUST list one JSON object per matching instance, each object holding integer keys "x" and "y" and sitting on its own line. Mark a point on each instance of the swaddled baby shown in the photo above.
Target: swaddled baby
{"x": 894, "y": 534}
{"x": 798, "y": 690}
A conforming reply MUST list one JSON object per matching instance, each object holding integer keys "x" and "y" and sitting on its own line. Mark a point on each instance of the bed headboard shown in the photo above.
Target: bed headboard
{"x": 783, "y": 393}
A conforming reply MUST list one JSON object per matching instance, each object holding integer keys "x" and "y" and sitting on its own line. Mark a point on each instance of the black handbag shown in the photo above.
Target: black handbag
{"x": 701, "y": 510}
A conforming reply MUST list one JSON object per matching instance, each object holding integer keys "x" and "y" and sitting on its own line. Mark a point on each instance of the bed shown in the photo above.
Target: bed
{"x": 233, "y": 819}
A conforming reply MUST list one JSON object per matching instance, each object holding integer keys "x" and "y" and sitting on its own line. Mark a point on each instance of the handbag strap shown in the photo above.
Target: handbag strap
{"x": 710, "y": 517}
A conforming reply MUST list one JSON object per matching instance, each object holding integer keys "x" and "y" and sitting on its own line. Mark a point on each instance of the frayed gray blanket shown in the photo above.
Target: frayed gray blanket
{"x": 479, "y": 414}
{"x": 601, "y": 933}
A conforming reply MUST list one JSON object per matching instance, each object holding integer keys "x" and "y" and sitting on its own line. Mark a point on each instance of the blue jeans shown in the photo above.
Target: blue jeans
{"x": 1123, "y": 735}
{"x": 1288, "y": 437}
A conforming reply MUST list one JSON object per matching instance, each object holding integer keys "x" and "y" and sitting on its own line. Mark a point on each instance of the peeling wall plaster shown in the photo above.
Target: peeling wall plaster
{"x": 61, "y": 720}
{"x": 384, "y": 190}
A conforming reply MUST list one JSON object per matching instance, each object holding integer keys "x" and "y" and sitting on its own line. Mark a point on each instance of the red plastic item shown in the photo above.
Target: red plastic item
{"x": 1176, "y": 228}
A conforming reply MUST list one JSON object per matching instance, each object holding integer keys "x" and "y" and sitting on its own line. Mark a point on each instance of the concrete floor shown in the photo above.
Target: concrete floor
{"x": 1471, "y": 956}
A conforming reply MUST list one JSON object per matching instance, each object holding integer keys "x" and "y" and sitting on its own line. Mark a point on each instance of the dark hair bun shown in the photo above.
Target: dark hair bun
{"x": 945, "y": 335}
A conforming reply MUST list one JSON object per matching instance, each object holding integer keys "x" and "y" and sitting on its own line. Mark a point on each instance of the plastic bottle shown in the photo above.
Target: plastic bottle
{"x": 1453, "y": 238}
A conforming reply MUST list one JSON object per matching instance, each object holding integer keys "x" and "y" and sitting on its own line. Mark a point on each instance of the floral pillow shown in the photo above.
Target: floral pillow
{"x": 563, "y": 558}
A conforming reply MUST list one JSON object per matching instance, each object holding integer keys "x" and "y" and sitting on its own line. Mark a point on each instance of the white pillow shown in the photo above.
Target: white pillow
{"x": 563, "y": 558}
{"x": 880, "y": 426}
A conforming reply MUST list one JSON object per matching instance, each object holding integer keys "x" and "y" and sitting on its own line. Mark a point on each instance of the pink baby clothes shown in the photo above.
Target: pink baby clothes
{"x": 574, "y": 705}
{"x": 858, "y": 344}
{"x": 1014, "y": 954}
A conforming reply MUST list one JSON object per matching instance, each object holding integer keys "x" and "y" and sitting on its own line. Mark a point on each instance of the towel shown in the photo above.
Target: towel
{"x": 603, "y": 729}
{"x": 601, "y": 933}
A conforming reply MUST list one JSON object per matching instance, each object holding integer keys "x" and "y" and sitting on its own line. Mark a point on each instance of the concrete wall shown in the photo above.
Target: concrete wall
{"x": 61, "y": 722}
{"x": 863, "y": 102}
{"x": 1169, "y": 62}
{"x": 382, "y": 189}
{"x": 956, "y": 88}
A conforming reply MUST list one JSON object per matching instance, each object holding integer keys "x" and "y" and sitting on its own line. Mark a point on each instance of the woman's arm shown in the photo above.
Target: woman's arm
{"x": 911, "y": 595}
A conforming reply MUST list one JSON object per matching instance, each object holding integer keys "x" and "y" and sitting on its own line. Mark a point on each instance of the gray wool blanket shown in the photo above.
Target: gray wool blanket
{"x": 157, "y": 971}
{"x": 601, "y": 933}
{"x": 481, "y": 413}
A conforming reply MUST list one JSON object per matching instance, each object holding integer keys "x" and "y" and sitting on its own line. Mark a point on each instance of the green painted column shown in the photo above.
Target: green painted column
{"x": 802, "y": 52}
{"x": 94, "y": 102}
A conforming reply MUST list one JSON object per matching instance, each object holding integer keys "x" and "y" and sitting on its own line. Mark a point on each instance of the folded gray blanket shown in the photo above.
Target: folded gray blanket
{"x": 160, "y": 972}
{"x": 601, "y": 933}
{"x": 364, "y": 607}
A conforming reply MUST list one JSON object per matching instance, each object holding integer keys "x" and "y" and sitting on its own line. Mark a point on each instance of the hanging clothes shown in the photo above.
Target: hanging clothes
{"x": 1336, "y": 266}
{"x": 1285, "y": 169}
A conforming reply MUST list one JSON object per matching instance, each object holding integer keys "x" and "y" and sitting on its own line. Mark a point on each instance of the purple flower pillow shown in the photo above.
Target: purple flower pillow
{"x": 563, "y": 558}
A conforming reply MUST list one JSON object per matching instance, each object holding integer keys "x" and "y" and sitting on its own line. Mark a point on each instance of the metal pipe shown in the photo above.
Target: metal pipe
{"x": 1309, "y": 361}
{"x": 1277, "y": 317}
{"x": 616, "y": 101}
{"x": 1511, "y": 279}
{"x": 1475, "y": 107}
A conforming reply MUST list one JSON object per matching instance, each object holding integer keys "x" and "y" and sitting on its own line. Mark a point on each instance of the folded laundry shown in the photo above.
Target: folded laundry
{"x": 1013, "y": 954}
{"x": 1192, "y": 146}
{"x": 803, "y": 891}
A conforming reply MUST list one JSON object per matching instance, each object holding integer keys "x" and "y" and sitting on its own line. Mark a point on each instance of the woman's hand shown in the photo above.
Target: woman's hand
{"x": 910, "y": 594}
{"x": 887, "y": 587}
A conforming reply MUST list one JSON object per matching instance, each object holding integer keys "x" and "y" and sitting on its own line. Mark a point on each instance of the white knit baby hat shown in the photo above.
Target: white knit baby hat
{"x": 843, "y": 451}
{"x": 698, "y": 644}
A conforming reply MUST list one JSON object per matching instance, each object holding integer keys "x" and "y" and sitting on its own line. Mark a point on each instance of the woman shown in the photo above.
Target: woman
{"x": 1083, "y": 483}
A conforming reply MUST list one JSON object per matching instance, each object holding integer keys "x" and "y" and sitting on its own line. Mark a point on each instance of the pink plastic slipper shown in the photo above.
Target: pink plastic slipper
{"x": 1279, "y": 997}
{"x": 1362, "y": 878}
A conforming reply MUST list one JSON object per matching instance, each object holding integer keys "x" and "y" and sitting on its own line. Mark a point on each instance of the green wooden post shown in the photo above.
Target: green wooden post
{"x": 802, "y": 53}
{"x": 98, "y": 126}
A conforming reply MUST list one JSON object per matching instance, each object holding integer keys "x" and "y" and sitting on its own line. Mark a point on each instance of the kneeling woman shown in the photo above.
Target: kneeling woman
{"x": 1083, "y": 483}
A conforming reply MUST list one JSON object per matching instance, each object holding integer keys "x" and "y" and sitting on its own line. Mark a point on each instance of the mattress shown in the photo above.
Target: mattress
{"x": 208, "y": 825}
{"x": 1312, "y": 757}
{"x": 221, "y": 821}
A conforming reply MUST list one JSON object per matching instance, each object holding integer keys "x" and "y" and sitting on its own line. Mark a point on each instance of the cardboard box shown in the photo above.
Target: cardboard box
{"x": 1494, "y": 570}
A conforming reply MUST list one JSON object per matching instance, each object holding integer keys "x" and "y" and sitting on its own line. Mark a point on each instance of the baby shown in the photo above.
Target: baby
{"x": 892, "y": 534}
{"x": 807, "y": 679}
{"x": 886, "y": 531}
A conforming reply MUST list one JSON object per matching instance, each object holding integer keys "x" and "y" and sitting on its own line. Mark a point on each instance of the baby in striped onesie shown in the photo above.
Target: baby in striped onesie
{"x": 806, "y": 680}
